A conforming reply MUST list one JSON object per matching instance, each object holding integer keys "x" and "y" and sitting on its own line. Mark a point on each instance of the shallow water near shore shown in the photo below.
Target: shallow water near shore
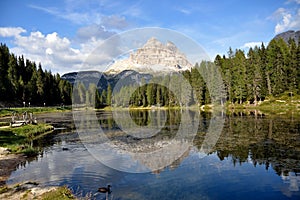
{"x": 254, "y": 156}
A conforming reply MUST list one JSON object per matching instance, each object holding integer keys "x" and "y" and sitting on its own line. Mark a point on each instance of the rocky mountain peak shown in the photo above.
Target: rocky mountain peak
{"x": 153, "y": 57}
{"x": 153, "y": 43}
{"x": 171, "y": 46}
{"x": 289, "y": 34}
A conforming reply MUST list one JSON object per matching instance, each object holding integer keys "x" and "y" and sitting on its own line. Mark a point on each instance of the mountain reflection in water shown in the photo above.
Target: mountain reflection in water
{"x": 255, "y": 156}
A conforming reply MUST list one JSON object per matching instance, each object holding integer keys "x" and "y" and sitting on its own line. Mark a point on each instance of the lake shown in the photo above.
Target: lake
{"x": 169, "y": 154}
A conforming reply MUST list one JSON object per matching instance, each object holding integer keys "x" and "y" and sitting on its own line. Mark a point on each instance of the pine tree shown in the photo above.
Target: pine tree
{"x": 197, "y": 84}
{"x": 292, "y": 66}
{"x": 97, "y": 99}
{"x": 109, "y": 95}
{"x": 265, "y": 87}
{"x": 254, "y": 75}
{"x": 13, "y": 76}
{"x": 32, "y": 87}
{"x": 40, "y": 83}
{"x": 298, "y": 67}
{"x": 150, "y": 94}
{"x": 276, "y": 66}
{"x": 87, "y": 98}
{"x": 103, "y": 97}
{"x": 226, "y": 67}
{"x": 158, "y": 95}
{"x": 4, "y": 82}
{"x": 65, "y": 91}
{"x": 81, "y": 92}
{"x": 239, "y": 76}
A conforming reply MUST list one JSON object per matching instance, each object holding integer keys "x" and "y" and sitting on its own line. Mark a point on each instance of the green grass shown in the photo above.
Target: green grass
{"x": 35, "y": 110}
{"x": 62, "y": 193}
{"x": 284, "y": 104}
{"x": 19, "y": 139}
{"x": 4, "y": 189}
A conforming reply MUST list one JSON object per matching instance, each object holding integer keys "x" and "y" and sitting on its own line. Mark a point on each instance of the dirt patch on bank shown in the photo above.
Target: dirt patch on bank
{"x": 9, "y": 163}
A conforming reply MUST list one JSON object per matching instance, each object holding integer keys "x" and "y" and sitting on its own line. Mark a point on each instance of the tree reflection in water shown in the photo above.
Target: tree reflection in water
{"x": 246, "y": 137}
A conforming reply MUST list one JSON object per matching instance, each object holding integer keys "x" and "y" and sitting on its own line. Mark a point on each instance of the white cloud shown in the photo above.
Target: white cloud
{"x": 49, "y": 51}
{"x": 11, "y": 31}
{"x": 251, "y": 44}
{"x": 53, "y": 51}
{"x": 286, "y": 20}
{"x": 58, "y": 54}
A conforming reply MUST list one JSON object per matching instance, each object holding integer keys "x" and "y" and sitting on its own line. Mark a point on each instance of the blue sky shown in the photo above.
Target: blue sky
{"x": 61, "y": 34}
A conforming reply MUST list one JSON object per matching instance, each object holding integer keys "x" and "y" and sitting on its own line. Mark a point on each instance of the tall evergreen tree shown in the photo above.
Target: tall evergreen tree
{"x": 298, "y": 66}
{"x": 150, "y": 94}
{"x": 292, "y": 65}
{"x": 239, "y": 76}
{"x": 276, "y": 66}
{"x": 109, "y": 95}
{"x": 254, "y": 75}
{"x": 40, "y": 83}
{"x": 13, "y": 76}
{"x": 4, "y": 82}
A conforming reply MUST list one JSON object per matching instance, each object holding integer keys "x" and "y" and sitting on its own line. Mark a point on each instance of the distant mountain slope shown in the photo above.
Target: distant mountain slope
{"x": 102, "y": 80}
{"x": 289, "y": 34}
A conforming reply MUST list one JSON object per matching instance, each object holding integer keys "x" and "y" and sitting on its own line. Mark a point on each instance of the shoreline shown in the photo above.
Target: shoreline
{"x": 8, "y": 163}
{"x": 7, "y": 112}
{"x": 269, "y": 108}
{"x": 15, "y": 147}
{"x": 25, "y": 190}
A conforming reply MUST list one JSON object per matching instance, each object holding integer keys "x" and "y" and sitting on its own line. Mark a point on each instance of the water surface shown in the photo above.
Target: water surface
{"x": 255, "y": 157}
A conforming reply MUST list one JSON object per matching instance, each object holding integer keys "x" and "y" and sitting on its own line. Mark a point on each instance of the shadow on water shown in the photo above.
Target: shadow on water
{"x": 256, "y": 156}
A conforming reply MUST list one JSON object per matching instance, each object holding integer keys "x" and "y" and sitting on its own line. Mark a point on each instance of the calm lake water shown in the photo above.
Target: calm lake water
{"x": 180, "y": 155}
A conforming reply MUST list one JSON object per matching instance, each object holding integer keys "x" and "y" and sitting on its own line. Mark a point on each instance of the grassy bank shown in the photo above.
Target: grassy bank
{"x": 62, "y": 193}
{"x": 35, "y": 110}
{"x": 272, "y": 105}
{"x": 19, "y": 139}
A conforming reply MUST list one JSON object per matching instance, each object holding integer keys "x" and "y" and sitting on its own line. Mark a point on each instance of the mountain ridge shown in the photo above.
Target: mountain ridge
{"x": 289, "y": 34}
{"x": 102, "y": 80}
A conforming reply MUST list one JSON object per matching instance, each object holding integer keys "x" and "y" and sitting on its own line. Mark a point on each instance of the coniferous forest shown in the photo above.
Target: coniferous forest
{"x": 262, "y": 72}
{"x": 24, "y": 81}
